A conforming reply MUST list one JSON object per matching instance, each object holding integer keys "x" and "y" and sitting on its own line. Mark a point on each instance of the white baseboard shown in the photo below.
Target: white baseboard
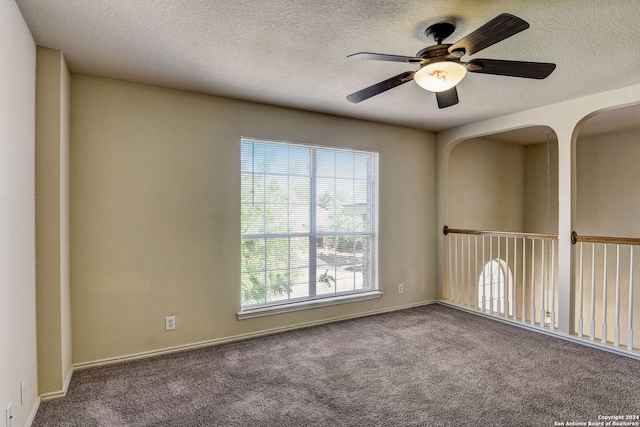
{"x": 59, "y": 393}
{"x": 34, "y": 411}
{"x": 556, "y": 334}
{"x": 218, "y": 341}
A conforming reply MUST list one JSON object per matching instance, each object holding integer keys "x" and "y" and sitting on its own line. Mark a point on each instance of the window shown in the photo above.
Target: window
{"x": 492, "y": 284}
{"x": 309, "y": 222}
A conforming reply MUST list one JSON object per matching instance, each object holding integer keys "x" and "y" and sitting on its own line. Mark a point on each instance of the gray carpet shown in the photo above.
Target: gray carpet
{"x": 428, "y": 366}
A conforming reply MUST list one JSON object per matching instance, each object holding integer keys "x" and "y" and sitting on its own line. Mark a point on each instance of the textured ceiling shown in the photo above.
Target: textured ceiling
{"x": 294, "y": 52}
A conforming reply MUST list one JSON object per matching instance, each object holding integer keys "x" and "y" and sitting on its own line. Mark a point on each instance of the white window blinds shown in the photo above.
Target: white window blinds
{"x": 309, "y": 222}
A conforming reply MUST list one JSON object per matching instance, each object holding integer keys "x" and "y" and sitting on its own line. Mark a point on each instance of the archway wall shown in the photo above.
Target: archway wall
{"x": 565, "y": 119}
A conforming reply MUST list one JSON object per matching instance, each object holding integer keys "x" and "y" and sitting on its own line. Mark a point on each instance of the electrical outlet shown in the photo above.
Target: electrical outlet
{"x": 23, "y": 392}
{"x": 170, "y": 323}
{"x": 9, "y": 416}
{"x": 400, "y": 288}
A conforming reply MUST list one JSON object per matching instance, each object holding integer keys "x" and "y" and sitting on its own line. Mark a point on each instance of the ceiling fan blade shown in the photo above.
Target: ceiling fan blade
{"x": 381, "y": 87}
{"x": 383, "y": 57}
{"x": 499, "y": 28}
{"x": 447, "y": 98}
{"x": 528, "y": 70}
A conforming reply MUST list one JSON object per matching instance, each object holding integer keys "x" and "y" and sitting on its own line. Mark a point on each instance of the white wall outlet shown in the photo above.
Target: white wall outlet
{"x": 23, "y": 392}
{"x": 170, "y": 323}
{"x": 400, "y": 288}
{"x": 9, "y": 416}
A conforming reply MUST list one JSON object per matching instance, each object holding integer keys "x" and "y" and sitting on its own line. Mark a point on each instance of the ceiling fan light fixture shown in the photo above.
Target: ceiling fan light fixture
{"x": 440, "y": 76}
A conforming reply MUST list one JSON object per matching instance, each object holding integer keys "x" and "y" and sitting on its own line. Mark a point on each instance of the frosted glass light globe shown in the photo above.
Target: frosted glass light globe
{"x": 440, "y": 76}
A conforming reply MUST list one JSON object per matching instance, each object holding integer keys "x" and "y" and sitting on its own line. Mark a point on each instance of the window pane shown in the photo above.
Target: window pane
{"x": 345, "y": 280}
{"x": 276, "y": 218}
{"x": 326, "y": 280}
{"x": 277, "y": 189}
{"x": 299, "y": 205}
{"x": 252, "y": 219}
{"x": 299, "y": 219}
{"x": 360, "y": 165}
{"x": 326, "y": 204}
{"x": 277, "y": 253}
{"x": 276, "y": 158}
{"x": 253, "y": 255}
{"x": 299, "y": 283}
{"x": 360, "y": 191}
{"x": 253, "y": 289}
{"x": 299, "y": 160}
{"x": 344, "y": 164}
{"x": 299, "y": 252}
{"x": 325, "y": 162}
{"x": 252, "y": 188}
{"x": 364, "y": 259}
{"x": 278, "y": 285}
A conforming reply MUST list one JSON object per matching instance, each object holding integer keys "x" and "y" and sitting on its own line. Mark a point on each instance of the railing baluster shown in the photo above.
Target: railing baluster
{"x": 514, "y": 296}
{"x": 581, "y": 295}
{"x": 475, "y": 303}
{"x": 450, "y": 269}
{"x": 460, "y": 290}
{"x": 491, "y": 275}
{"x": 484, "y": 278}
{"x": 630, "y": 327}
{"x": 533, "y": 282}
{"x": 616, "y": 328}
{"x": 524, "y": 279}
{"x": 604, "y": 298}
{"x": 455, "y": 269}
{"x": 507, "y": 286}
{"x": 592, "y": 326}
{"x": 469, "y": 282}
{"x": 515, "y": 279}
{"x": 543, "y": 308}
{"x": 553, "y": 284}
{"x": 499, "y": 291}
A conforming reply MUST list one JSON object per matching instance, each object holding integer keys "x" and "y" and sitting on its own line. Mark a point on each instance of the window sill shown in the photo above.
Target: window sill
{"x": 305, "y": 305}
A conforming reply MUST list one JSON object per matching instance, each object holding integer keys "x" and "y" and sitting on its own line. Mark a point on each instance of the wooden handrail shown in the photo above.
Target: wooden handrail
{"x": 608, "y": 240}
{"x": 446, "y": 230}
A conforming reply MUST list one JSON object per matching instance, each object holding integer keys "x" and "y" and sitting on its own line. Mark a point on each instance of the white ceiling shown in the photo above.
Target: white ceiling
{"x": 293, "y": 53}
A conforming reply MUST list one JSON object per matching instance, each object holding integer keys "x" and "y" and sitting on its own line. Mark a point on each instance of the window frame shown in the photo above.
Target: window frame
{"x": 313, "y": 298}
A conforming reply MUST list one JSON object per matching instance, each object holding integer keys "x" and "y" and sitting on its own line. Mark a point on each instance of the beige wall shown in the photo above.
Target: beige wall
{"x": 17, "y": 244}
{"x": 155, "y": 211}
{"x": 608, "y": 193}
{"x": 52, "y": 221}
{"x": 486, "y": 186}
{"x": 503, "y": 186}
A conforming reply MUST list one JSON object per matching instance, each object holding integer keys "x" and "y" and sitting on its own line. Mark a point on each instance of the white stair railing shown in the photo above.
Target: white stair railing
{"x": 504, "y": 274}
{"x": 609, "y": 322}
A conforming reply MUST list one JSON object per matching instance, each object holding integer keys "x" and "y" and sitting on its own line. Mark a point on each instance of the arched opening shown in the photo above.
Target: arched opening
{"x": 493, "y": 286}
{"x": 504, "y": 186}
{"x": 606, "y": 205}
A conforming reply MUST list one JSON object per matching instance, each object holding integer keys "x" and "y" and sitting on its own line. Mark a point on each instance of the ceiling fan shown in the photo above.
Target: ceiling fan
{"x": 441, "y": 68}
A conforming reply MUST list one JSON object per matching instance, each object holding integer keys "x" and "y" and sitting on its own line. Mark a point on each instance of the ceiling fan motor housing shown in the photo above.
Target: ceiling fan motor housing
{"x": 436, "y": 51}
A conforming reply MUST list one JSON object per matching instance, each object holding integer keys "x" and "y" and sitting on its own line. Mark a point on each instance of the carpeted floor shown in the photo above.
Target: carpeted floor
{"x": 427, "y": 366}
